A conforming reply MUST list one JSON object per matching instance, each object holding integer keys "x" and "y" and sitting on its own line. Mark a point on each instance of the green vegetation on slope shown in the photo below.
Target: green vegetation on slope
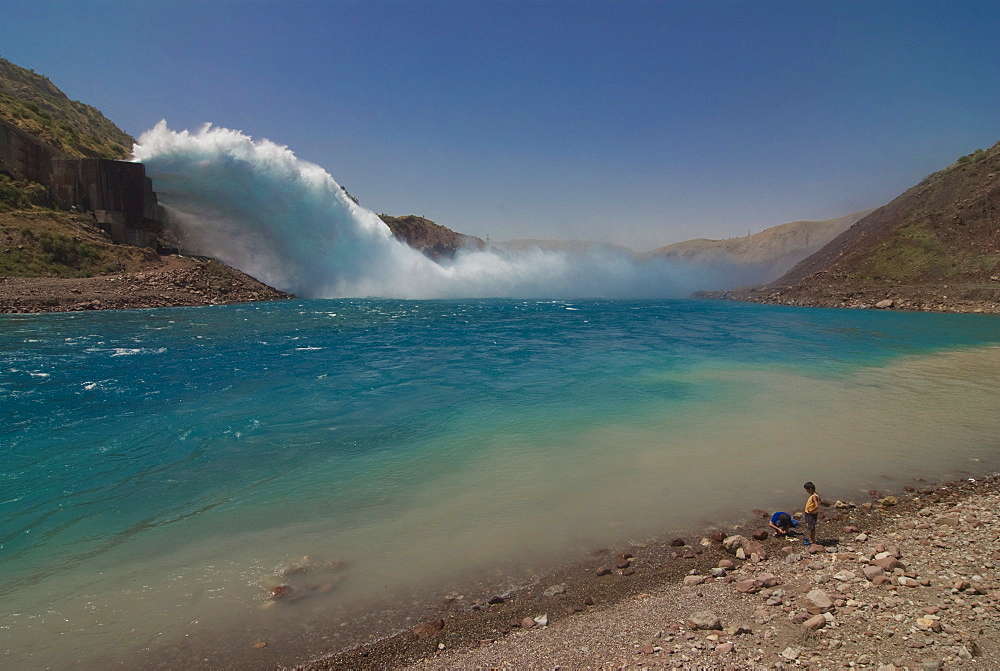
{"x": 20, "y": 195}
{"x": 34, "y": 104}
{"x": 947, "y": 228}
{"x": 60, "y": 244}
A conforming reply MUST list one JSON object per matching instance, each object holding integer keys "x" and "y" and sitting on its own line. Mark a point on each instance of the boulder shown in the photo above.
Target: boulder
{"x": 704, "y": 619}
{"x": 732, "y": 544}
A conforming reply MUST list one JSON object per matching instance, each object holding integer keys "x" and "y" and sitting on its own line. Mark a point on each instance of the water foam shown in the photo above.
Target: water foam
{"x": 256, "y": 206}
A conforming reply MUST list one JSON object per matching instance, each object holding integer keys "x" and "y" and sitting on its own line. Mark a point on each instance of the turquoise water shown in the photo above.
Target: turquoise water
{"x": 160, "y": 468}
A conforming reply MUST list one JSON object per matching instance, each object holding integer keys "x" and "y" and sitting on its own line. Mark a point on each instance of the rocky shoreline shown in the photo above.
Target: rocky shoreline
{"x": 975, "y": 298}
{"x": 178, "y": 282}
{"x": 901, "y": 581}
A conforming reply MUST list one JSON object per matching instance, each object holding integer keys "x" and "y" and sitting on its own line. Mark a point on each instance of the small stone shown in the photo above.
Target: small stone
{"x": 820, "y": 600}
{"x": 527, "y": 623}
{"x": 604, "y": 570}
{"x": 260, "y": 644}
{"x": 790, "y": 653}
{"x": 815, "y": 622}
{"x": 281, "y": 591}
{"x": 872, "y": 572}
{"x": 542, "y": 620}
{"x": 724, "y": 648}
{"x": 768, "y": 580}
{"x": 747, "y": 586}
{"x": 496, "y": 600}
{"x": 554, "y": 590}
{"x": 428, "y": 629}
{"x": 678, "y": 542}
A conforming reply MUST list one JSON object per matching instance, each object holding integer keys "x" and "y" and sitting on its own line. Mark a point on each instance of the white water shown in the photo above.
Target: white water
{"x": 256, "y": 206}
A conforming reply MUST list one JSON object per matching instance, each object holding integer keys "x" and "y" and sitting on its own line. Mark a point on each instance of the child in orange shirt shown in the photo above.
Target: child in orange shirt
{"x": 812, "y": 512}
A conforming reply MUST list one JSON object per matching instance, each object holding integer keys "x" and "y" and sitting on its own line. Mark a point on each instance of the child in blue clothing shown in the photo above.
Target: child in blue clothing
{"x": 782, "y": 523}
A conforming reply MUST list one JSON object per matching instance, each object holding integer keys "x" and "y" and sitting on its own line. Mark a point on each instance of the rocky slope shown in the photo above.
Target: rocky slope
{"x": 935, "y": 247}
{"x": 434, "y": 240}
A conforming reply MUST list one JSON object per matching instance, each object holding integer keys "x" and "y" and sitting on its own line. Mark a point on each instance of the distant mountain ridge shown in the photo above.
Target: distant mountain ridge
{"x": 759, "y": 257}
{"x": 548, "y": 245}
{"x": 935, "y": 247}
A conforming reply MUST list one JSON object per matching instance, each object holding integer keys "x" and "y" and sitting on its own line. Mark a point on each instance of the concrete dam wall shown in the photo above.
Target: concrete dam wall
{"x": 118, "y": 193}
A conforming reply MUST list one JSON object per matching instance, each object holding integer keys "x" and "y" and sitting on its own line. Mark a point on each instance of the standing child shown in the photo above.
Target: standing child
{"x": 812, "y": 512}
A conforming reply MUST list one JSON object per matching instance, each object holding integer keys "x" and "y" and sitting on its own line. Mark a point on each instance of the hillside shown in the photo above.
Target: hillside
{"x": 935, "y": 247}
{"x": 61, "y": 261}
{"x": 763, "y": 256}
{"x": 434, "y": 240}
{"x": 33, "y": 103}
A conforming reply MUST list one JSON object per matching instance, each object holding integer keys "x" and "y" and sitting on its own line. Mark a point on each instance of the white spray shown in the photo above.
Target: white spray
{"x": 285, "y": 221}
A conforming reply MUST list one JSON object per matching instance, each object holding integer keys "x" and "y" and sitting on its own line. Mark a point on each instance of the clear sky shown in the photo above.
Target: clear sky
{"x": 640, "y": 123}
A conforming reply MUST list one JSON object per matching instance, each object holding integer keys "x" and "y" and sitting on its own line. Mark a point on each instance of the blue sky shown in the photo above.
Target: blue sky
{"x": 640, "y": 123}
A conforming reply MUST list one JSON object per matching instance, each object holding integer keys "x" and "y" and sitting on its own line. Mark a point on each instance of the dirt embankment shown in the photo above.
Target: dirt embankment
{"x": 179, "y": 281}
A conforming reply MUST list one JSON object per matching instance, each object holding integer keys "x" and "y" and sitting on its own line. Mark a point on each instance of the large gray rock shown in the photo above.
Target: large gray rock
{"x": 734, "y": 543}
{"x": 819, "y": 600}
{"x": 704, "y": 619}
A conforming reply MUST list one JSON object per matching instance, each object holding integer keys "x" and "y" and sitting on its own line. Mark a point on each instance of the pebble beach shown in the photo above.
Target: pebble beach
{"x": 900, "y": 581}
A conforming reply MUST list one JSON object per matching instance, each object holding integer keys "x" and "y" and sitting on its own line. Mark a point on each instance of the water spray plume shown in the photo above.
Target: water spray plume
{"x": 256, "y": 206}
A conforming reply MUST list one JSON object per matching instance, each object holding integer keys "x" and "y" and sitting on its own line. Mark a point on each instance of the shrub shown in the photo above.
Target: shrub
{"x": 11, "y": 194}
{"x": 67, "y": 251}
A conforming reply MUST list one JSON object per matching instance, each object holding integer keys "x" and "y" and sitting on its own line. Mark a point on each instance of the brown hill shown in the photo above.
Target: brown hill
{"x": 434, "y": 240}
{"x": 763, "y": 256}
{"x": 935, "y": 247}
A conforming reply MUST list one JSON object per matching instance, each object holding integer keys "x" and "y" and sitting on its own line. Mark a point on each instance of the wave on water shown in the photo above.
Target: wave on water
{"x": 256, "y": 206}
